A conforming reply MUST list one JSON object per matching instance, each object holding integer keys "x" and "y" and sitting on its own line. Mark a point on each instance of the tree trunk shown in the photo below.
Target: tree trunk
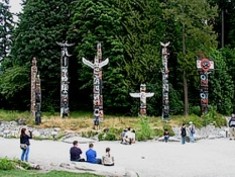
{"x": 185, "y": 95}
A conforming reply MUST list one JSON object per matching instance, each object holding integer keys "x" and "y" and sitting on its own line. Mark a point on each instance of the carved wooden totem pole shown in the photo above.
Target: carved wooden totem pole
{"x": 142, "y": 95}
{"x": 35, "y": 92}
{"x": 64, "y": 87}
{"x": 204, "y": 65}
{"x": 165, "y": 84}
{"x": 97, "y": 83}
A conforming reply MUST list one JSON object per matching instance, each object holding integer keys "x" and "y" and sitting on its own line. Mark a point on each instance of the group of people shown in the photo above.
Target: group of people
{"x": 91, "y": 155}
{"x": 128, "y": 136}
{"x": 183, "y": 132}
{"x": 75, "y": 151}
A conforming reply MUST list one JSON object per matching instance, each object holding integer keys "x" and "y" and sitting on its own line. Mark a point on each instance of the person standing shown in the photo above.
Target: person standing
{"x": 107, "y": 159}
{"x": 231, "y": 125}
{"x": 75, "y": 153}
{"x": 183, "y": 133}
{"x": 91, "y": 155}
{"x": 191, "y": 132}
{"x": 24, "y": 144}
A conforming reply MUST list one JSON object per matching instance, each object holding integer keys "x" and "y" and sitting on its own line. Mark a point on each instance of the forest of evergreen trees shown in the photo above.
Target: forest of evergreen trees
{"x": 130, "y": 33}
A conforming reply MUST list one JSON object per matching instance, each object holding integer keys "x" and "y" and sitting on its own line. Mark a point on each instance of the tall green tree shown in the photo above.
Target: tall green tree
{"x": 144, "y": 30}
{"x": 93, "y": 22}
{"x": 221, "y": 90}
{"x": 6, "y": 28}
{"x": 192, "y": 20}
{"x": 41, "y": 24}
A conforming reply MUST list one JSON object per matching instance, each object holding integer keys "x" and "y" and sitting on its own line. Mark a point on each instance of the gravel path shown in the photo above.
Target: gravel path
{"x": 205, "y": 158}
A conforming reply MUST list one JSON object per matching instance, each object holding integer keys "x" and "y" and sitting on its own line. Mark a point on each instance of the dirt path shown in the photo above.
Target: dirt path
{"x": 206, "y": 158}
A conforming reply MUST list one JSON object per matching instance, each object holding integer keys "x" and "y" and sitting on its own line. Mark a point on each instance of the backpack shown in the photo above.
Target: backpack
{"x": 183, "y": 132}
{"x": 192, "y": 130}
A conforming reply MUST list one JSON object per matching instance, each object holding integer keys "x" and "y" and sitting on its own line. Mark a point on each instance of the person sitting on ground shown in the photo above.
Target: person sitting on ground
{"x": 128, "y": 136}
{"x": 75, "y": 153}
{"x": 132, "y": 134}
{"x": 123, "y": 135}
{"x": 91, "y": 155}
{"x": 166, "y": 135}
{"x": 126, "y": 140}
{"x": 107, "y": 159}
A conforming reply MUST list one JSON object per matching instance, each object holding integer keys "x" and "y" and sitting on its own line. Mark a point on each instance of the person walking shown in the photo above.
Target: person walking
{"x": 91, "y": 155}
{"x": 75, "y": 153}
{"x": 107, "y": 159}
{"x": 231, "y": 125}
{"x": 183, "y": 133}
{"x": 191, "y": 132}
{"x": 24, "y": 144}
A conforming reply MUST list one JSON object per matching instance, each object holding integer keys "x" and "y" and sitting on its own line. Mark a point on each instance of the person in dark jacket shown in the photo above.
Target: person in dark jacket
{"x": 231, "y": 125}
{"x": 183, "y": 133}
{"x": 75, "y": 153}
{"x": 24, "y": 144}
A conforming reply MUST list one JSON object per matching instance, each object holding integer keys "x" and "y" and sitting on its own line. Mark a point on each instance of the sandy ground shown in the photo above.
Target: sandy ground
{"x": 205, "y": 158}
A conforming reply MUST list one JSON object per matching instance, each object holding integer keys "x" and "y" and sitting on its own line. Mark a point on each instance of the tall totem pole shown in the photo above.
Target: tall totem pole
{"x": 165, "y": 84}
{"x": 97, "y": 83}
{"x": 35, "y": 92}
{"x": 64, "y": 87}
{"x": 204, "y": 65}
{"x": 142, "y": 95}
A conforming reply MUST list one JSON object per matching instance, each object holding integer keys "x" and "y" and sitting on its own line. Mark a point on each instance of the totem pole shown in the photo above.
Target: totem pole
{"x": 204, "y": 65}
{"x": 142, "y": 95}
{"x": 64, "y": 87}
{"x": 97, "y": 84}
{"x": 35, "y": 92}
{"x": 165, "y": 85}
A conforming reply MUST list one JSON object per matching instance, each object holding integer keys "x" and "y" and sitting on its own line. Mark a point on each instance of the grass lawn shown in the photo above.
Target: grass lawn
{"x": 29, "y": 173}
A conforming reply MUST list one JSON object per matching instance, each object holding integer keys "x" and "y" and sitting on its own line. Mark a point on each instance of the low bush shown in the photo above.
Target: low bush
{"x": 145, "y": 132}
{"x": 6, "y": 164}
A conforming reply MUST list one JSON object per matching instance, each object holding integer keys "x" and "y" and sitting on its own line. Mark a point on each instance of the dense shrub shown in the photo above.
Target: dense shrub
{"x": 6, "y": 164}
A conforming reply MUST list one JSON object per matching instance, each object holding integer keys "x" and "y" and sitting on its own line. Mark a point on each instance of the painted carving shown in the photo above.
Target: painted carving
{"x": 142, "y": 95}
{"x": 64, "y": 88}
{"x": 97, "y": 83}
{"x": 204, "y": 65}
{"x": 35, "y": 92}
{"x": 165, "y": 85}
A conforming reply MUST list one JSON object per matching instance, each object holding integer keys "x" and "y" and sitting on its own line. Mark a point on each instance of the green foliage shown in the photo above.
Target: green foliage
{"x": 193, "y": 35}
{"x": 212, "y": 117}
{"x": 6, "y": 164}
{"x": 13, "y": 81}
{"x": 6, "y": 29}
{"x": 112, "y": 134}
{"x": 145, "y": 132}
{"x": 169, "y": 128}
{"x": 221, "y": 91}
{"x": 13, "y": 115}
{"x": 41, "y": 25}
{"x": 31, "y": 173}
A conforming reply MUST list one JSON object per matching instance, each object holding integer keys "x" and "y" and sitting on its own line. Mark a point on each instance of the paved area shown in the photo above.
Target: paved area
{"x": 205, "y": 158}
